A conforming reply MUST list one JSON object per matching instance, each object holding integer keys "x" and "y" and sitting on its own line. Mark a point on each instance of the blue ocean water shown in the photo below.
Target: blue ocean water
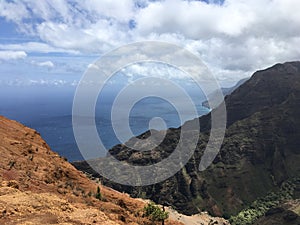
{"x": 49, "y": 111}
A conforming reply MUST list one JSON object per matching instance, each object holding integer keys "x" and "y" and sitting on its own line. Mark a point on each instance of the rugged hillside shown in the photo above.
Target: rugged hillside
{"x": 225, "y": 91}
{"x": 37, "y": 186}
{"x": 266, "y": 88}
{"x": 260, "y": 150}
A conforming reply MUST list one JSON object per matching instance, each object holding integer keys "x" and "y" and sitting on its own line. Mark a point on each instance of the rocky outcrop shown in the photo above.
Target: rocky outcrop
{"x": 283, "y": 214}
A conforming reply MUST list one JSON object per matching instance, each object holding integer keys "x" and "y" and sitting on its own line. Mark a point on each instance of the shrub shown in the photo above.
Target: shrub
{"x": 98, "y": 194}
{"x": 259, "y": 207}
{"x": 155, "y": 213}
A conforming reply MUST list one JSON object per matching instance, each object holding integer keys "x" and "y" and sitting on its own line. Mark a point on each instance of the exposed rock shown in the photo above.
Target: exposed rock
{"x": 275, "y": 210}
{"x": 285, "y": 214}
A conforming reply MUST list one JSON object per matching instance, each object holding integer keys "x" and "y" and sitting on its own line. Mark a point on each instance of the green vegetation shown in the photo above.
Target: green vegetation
{"x": 259, "y": 207}
{"x": 11, "y": 164}
{"x": 98, "y": 194}
{"x": 155, "y": 213}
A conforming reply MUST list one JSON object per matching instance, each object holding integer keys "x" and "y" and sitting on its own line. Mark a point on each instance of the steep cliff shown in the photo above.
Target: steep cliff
{"x": 260, "y": 150}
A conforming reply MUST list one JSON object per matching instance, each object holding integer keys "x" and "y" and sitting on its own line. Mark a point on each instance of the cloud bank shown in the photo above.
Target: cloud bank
{"x": 12, "y": 55}
{"x": 232, "y": 36}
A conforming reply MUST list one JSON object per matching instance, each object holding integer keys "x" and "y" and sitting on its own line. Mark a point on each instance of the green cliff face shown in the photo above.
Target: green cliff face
{"x": 260, "y": 150}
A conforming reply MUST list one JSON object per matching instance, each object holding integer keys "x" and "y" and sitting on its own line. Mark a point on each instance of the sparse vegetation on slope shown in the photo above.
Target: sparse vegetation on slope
{"x": 260, "y": 206}
{"x": 37, "y": 186}
{"x": 259, "y": 152}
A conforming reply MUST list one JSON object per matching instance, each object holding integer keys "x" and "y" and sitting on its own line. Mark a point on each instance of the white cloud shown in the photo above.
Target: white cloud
{"x": 93, "y": 66}
{"x": 38, "y": 82}
{"x": 153, "y": 69}
{"x": 47, "y": 64}
{"x": 97, "y": 38}
{"x": 119, "y": 10}
{"x": 12, "y": 55}
{"x": 14, "y": 11}
{"x": 238, "y": 36}
{"x": 194, "y": 19}
{"x": 36, "y": 47}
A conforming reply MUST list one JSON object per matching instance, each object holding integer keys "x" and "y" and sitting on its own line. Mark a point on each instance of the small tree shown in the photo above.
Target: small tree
{"x": 98, "y": 194}
{"x": 155, "y": 213}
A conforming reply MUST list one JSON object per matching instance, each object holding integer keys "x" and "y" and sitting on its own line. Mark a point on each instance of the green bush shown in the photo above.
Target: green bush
{"x": 98, "y": 194}
{"x": 259, "y": 207}
{"x": 155, "y": 213}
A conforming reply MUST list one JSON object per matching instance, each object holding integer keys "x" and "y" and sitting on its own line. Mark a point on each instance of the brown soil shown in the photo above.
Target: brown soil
{"x": 37, "y": 186}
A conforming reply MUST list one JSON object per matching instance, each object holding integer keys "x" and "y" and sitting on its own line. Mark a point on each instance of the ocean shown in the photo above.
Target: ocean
{"x": 49, "y": 111}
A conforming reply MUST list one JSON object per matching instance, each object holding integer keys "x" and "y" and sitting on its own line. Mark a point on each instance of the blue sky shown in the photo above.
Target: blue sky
{"x": 53, "y": 42}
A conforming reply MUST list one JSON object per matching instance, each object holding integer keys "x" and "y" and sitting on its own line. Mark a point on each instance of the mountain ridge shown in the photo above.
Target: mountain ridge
{"x": 225, "y": 91}
{"x": 260, "y": 142}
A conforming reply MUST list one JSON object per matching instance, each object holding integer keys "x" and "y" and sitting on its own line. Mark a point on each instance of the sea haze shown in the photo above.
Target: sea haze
{"x": 49, "y": 111}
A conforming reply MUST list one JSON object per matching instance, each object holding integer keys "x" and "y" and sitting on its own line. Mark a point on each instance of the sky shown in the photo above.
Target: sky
{"x": 52, "y": 42}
